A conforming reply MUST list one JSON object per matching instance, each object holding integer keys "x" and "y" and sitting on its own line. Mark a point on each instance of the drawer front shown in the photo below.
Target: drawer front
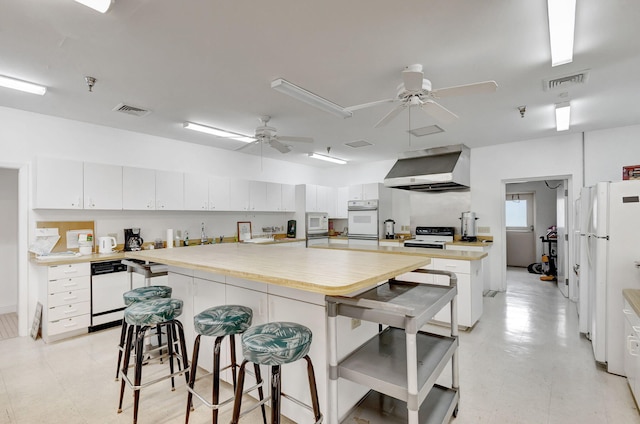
{"x": 69, "y": 297}
{"x": 57, "y": 272}
{"x": 69, "y": 311}
{"x": 68, "y": 284}
{"x": 452, "y": 265}
{"x": 69, "y": 324}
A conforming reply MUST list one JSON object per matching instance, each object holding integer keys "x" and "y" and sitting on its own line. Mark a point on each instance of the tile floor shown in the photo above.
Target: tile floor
{"x": 524, "y": 362}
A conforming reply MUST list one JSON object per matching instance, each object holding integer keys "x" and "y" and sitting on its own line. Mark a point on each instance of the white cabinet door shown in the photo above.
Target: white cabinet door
{"x": 239, "y": 195}
{"x": 257, "y": 196}
{"x": 342, "y": 200}
{"x": 102, "y": 186}
{"x": 169, "y": 191}
{"x": 182, "y": 288}
{"x": 138, "y": 188}
{"x": 322, "y": 199}
{"x": 310, "y": 195}
{"x": 274, "y": 197}
{"x": 207, "y": 294}
{"x": 59, "y": 184}
{"x": 355, "y": 192}
{"x": 219, "y": 194}
{"x": 196, "y": 192}
{"x": 288, "y": 197}
{"x": 332, "y": 199}
{"x": 370, "y": 191}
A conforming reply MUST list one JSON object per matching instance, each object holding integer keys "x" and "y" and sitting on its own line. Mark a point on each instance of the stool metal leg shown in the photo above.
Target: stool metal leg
{"x": 123, "y": 336}
{"x": 192, "y": 379}
{"x": 256, "y": 368}
{"x": 276, "y": 390}
{"x": 125, "y": 364}
{"x": 170, "y": 347}
{"x": 138, "y": 372}
{"x": 313, "y": 389}
{"x": 238, "y": 397}
{"x": 234, "y": 365}
{"x": 215, "y": 395}
{"x": 183, "y": 349}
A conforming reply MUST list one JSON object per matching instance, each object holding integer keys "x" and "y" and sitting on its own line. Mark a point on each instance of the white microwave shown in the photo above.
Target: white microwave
{"x": 317, "y": 222}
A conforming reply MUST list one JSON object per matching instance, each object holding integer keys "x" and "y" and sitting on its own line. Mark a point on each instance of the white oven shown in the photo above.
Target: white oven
{"x": 363, "y": 219}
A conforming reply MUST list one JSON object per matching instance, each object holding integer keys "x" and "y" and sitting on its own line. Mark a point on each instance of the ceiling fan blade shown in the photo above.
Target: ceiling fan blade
{"x": 392, "y": 114}
{"x": 282, "y": 148}
{"x": 247, "y": 145}
{"x": 366, "y": 105}
{"x": 458, "y": 90}
{"x": 439, "y": 112}
{"x": 296, "y": 139}
{"x": 412, "y": 78}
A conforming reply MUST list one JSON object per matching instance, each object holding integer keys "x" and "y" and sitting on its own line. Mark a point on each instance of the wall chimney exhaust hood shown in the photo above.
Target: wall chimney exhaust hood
{"x": 436, "y": 169}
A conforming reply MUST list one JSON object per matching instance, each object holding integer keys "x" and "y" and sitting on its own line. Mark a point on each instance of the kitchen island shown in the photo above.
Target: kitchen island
{"x": 284, "y": 284}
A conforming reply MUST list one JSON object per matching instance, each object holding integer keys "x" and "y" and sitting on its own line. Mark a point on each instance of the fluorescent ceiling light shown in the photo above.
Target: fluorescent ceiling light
{"x": 217, "y": 132}
{"x": 308, "y": 97}
{"x": 563, "y": 116}
{"x": 562, "y": 21}
{"x": 25, "y": 86}
{"x": 327, "y": 158}
{"x": 101, "y": 6}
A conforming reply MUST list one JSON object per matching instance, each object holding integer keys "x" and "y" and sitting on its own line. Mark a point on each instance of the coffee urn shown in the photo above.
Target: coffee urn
{"x": 389, "y": 232}
{"x": 468, "y": 226}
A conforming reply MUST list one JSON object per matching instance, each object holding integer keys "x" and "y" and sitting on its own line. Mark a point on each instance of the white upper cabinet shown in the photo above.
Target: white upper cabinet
{"x": 288, "y": 197}
{"x": 219, "y": 194}
{"x": 257, "y": 196}
{"x": 274, "y": 197}
{"x": 369, "y": 191}
{"x": 59, "y": 184}
{"x": 342, "y": 200}
{"x": 239, "y": 195}
{"x": 355, "y": 192}
{"x": 311, "y": 201}
{"x": 169, "y": 191}
{"x": 102, "y": 186}
{"x": 138, "y": 188}
{"x": 196, "y": 192}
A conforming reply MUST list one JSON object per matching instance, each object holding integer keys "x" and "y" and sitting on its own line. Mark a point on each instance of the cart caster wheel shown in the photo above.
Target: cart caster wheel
{"x": 455, "y": 412}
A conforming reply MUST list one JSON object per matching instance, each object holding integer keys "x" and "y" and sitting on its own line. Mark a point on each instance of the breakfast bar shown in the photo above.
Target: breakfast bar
{"x": 286, "y": 284}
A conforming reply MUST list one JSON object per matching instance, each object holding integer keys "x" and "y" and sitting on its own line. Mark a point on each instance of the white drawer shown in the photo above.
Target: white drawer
{"x": 69, "y": 297}
{"x": 69, "y": 311}
{"x": 452, "y": 265}
{"x": 68, "y": 284}
{"x": 69, "y": 324}
{"x": 57, "y": 272}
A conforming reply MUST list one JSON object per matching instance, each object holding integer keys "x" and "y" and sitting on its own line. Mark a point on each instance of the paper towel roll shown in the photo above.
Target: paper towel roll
{"x": 169, "y": 239}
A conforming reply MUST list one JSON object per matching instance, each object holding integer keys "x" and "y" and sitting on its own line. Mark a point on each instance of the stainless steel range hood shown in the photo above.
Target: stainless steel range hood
{"x": 436, "y": 169}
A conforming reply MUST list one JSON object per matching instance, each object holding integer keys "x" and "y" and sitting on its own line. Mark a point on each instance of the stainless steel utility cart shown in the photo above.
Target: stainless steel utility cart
{"x": 401, "y": 363}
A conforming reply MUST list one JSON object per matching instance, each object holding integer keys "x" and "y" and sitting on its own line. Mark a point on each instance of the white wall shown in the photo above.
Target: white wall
{"x": 8, "y": 240}
{"x": 607, "y": 151}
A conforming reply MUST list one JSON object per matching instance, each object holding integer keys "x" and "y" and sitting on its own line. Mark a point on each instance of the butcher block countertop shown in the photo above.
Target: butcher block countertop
{"x": 330, "y": 272}
{"x": 410, "y": 251}
{"x": 633, "y": 297}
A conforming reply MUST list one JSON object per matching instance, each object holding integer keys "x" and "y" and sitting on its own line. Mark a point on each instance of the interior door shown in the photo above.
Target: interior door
{"x": 521, "y": 246}
{"x": 562, "y": 250}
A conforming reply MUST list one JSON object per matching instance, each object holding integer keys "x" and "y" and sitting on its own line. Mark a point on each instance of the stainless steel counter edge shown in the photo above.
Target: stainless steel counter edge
{"x": 412, "y": 251}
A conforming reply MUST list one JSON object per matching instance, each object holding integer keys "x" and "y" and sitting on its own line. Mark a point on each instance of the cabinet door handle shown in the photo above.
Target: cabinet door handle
{"x": 70, "y": 271}
{"x": 70, "y": 285}
{"x": 72, "y": 324}
{"x": 70, "y": 311}
{"x": 70, "y": 298}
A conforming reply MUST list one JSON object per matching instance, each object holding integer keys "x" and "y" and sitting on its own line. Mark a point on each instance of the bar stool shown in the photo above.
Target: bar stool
{"x": 139, "y": 295}
{"x": 219, "y": 322}
{"x": 276, "y": 344}
{"x": 140, "y": 317}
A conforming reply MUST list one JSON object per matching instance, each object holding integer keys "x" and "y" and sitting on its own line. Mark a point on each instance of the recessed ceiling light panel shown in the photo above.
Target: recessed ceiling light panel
{"x": 428, "y": 130}
{"x": 27, "y": 87}
{"x": 358, "y": 143}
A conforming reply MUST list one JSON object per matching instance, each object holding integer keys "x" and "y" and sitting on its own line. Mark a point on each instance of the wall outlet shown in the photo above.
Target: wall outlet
{"x": 485, "y": 230}
{"x": 355, "y": 323}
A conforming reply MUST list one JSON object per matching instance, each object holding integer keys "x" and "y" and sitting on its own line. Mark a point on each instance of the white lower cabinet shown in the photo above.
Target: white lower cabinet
{"x": 632, "y": 349}
{"x": 68, "y": 308}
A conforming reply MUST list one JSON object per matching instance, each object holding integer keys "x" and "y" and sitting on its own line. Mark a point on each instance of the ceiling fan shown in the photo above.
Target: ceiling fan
{"x": 267, "y": 135}
{"x": 415, "y": 90}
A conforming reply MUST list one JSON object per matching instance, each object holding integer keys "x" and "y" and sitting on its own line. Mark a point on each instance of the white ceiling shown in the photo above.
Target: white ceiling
{"x": 212, "y": 62}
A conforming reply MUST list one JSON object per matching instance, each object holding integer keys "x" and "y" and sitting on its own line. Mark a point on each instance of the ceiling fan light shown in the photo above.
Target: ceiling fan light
{"x": 562, "y": 21}
{"x": 309, "y": 98}
{"x": 101, "y": 6}
{"x": 563, "y": 116}
{"x": 217, "y": 132}
{"x": 327, "y": 158}
{"x": 27, "y": 87}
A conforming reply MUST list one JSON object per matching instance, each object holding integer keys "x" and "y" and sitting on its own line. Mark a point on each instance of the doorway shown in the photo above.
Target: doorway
{"x": 9, "y": 252}
{"x": 519, "y": 219}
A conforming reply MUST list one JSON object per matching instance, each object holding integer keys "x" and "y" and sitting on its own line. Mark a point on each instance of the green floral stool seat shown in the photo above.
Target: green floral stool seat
{"x": 140, "y": 317}
{"x": 138, "y": 295}
{"x": 219, "y": 322}
{"x": 276, "y": 344}
{"x": 146, "y": 293}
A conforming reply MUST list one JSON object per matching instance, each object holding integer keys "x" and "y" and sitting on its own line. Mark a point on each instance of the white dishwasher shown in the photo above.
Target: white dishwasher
{"x": 109, "y": 281}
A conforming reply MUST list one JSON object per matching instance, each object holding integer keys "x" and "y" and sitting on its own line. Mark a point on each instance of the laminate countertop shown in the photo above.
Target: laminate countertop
{"x": 409, "y": 251}
{"x": 329, "y": 272}
{"x": 633, "y": 297}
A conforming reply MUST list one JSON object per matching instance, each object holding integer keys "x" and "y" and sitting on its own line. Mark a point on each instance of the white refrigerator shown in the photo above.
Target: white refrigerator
{"x": 612, "y": 247}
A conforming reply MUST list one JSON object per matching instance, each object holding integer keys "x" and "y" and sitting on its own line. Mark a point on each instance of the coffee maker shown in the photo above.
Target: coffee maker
{"x": 291, "y": 228}
{"x": 132, "y": 240}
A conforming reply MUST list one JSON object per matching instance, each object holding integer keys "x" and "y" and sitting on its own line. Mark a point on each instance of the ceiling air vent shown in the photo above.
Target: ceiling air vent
{"x": 421, "y": 132}
{"x": 560, "y": 83}
{"x": 131, "y": 110}
{"x": 358, "y": 143}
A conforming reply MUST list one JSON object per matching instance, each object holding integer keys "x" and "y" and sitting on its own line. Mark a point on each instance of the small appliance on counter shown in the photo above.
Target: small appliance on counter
{"x": 431, "y": 237}
{"x": 389, "y": 231}
{"x": 106, "y": 244}
{"x": 291, "y": 228}
{"x": 468, "y": 226}
{"x": 132, "y": 240}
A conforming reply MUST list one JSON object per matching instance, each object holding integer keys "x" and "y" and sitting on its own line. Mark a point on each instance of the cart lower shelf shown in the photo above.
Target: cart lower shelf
{"x": 376, "y": 408}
